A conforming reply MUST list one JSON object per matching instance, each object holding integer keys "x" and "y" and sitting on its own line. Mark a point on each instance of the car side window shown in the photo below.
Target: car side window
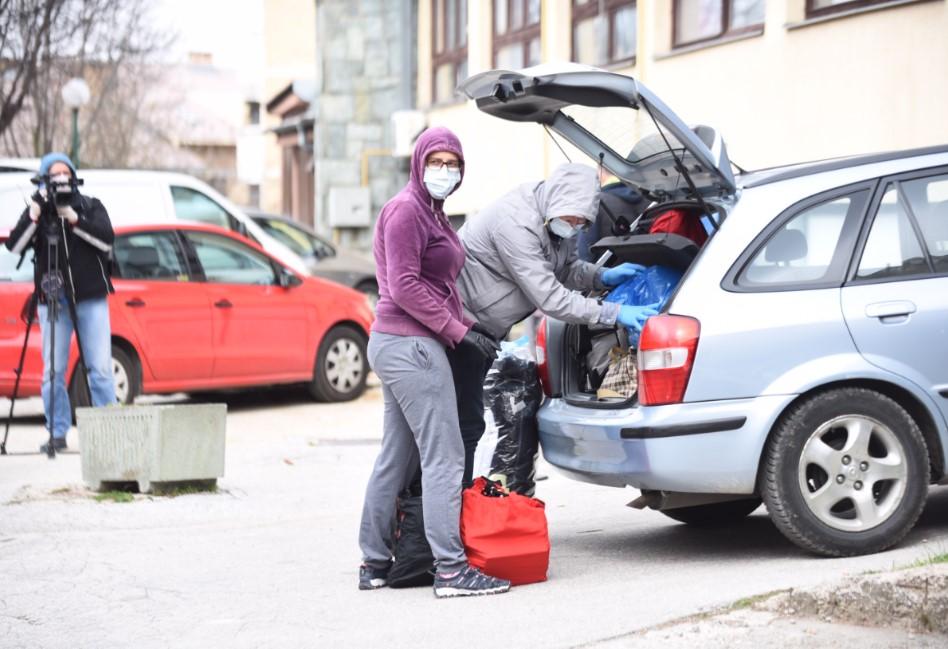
{"x": 806, "y": 248}
{"x": 928, "y": 200}
{"x": 192, "y": 205}
{"x": 150, "y": 256}
{"x": 231, "y": 262}
{"x": 892, "y": 248}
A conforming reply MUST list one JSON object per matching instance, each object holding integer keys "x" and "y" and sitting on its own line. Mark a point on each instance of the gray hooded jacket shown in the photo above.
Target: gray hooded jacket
{"x": 514, "y": 266}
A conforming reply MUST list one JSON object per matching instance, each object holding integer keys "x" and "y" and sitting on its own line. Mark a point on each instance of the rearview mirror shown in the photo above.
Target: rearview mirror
{"x": 288, "y": 279}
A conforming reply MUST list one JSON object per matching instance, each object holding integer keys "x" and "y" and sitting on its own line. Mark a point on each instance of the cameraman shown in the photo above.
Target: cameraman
{"x": 85, "y": 236}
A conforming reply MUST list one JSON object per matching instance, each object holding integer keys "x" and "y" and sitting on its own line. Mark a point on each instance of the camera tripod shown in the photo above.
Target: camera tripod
{"x": 52, "y": 286}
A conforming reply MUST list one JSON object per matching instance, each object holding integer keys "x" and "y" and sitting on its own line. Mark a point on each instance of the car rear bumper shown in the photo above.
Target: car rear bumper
{"x": 706, "y": 447}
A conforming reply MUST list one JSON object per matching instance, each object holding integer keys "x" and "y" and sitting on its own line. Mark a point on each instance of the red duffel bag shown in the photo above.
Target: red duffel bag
{"x": 505, "y": 534}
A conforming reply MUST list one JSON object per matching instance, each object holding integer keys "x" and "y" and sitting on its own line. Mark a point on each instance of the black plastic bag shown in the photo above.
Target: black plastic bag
{"x": 513, "y": 394}
{"x": 414, "y": 563}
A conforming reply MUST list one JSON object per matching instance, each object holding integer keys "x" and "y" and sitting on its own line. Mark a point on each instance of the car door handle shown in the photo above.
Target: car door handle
{"x": 135, "y": 302}
{"x": 898, "y": 308}
{"x": 223, "y": 304}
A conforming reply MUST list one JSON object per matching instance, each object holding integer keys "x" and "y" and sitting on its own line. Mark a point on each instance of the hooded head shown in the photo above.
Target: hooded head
{"x": 50, "y": 159}
{"x": 571, "y": 190}
{"x": 430, "y": 141}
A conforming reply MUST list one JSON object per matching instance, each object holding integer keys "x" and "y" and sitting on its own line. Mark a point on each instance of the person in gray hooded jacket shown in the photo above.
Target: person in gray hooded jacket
{"x": 520, "y": 257}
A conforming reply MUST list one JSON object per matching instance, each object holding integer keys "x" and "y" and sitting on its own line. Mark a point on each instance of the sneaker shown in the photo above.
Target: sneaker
{"x": 59, "y": 444}
{"x": 468, "y": 581}
{"x": 371, "y": 578}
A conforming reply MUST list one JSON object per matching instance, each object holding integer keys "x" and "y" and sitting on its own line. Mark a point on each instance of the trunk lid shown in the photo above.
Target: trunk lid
{"x": 594, "y": 111}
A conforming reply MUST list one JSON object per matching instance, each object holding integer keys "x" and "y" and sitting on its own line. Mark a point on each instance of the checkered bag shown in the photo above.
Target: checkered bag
{"x": 621, "y": 379}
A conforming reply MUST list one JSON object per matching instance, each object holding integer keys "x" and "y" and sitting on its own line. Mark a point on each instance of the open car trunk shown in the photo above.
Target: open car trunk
{"x": 589, "y": 349}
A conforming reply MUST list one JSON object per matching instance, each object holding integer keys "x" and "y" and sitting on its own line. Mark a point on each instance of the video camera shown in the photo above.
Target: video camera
{"x": 63, "y": 187}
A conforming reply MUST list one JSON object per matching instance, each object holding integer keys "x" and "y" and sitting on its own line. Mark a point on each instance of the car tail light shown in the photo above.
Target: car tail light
{"x": 666, "y": 353}
{"x": 543, "y": 368}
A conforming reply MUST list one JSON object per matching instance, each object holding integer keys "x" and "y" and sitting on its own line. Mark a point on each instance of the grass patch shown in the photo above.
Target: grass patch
{"x": 748, "y": 602}
{"x": 929, "y": 561}
{"x": 115, "y": 497}
{"x": 175, "y": 489}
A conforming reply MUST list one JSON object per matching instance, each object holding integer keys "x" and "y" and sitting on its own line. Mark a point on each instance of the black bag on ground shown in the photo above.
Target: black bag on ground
{"x": 414, "y": 563}
{"x": 512, "y": 392}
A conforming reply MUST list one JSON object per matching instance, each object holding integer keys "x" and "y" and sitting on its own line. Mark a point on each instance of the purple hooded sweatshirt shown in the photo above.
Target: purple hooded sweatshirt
{"x": 418, "y": 256}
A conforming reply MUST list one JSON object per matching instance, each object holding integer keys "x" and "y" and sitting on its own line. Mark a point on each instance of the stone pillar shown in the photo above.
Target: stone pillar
{"x": 362, "y": 52}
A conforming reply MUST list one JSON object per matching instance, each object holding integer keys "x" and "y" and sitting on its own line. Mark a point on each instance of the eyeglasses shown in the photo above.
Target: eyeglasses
{"x": 435, "y": 164}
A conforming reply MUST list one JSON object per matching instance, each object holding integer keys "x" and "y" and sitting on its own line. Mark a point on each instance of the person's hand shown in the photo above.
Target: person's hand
{"x": 487, "y": 346}
{"x": 634, "y": 317}
{"x": 68, "y": 214}
{"x": 35, "y": 210}
{"x": 621, "y": 273}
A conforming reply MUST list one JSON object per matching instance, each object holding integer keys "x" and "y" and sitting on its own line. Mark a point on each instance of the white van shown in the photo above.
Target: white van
{"x": 134, "y": 197}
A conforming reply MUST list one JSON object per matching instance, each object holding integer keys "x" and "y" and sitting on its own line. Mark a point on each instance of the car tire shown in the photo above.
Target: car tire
{"x": 845, "y": 473}
{"x": 341, "y": 366}
{"x": 127, "y": 380}
{"x": 714, "y": 514}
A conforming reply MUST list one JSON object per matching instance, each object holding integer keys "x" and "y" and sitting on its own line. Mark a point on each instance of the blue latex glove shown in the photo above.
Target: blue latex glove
{"x": 634, "y": 317}
{"x": 621, "y": 273}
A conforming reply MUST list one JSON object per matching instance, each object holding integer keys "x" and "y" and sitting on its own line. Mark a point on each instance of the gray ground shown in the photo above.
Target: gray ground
{"x": 271, "y": 560}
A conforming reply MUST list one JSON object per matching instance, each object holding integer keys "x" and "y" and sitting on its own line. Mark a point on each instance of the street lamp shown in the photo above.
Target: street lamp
{"x": 75, "y": 94}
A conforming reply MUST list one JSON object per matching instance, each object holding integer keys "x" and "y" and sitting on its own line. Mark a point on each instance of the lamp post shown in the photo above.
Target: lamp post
{"x": 75, "y": 94}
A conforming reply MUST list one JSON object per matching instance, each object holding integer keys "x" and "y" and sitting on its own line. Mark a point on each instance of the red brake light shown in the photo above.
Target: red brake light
{"x": 543, "y": 369}
{"x": 666, "y": 353}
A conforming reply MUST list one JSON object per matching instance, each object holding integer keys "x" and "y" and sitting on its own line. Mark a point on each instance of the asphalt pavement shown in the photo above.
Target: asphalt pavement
{"x": 271, "y": 559}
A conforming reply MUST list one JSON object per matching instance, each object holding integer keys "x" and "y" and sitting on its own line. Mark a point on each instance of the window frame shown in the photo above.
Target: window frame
{"x": 194, "y": 274}
{"x": 192, "y": 255}
{"x": 455, "y": 56}
{"x": 812, "y": 11}
{"x": 724, "y": 34}
{"x": 591, "y": 9}
{"x": 848, "y": 240}
{"x": 878, "y": 195}
{"x": 522, "y": 35}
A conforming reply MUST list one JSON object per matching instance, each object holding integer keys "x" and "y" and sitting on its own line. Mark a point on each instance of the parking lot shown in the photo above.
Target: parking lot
{"x": 271, "y": 559}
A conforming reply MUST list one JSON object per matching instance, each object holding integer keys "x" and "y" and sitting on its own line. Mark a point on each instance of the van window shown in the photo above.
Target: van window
{"x": 192, "y": 205}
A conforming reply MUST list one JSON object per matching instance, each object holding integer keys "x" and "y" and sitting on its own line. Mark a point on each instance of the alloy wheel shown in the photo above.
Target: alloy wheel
{"x": 120, "y": 377}
{"x": 853, "y": 473}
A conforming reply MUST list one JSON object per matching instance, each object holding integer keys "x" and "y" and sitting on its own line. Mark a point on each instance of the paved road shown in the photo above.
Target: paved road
{"x": 271, "y": 560}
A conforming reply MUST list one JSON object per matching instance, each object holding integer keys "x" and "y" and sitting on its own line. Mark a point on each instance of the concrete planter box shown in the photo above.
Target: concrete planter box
{"x": 152, "y": 444}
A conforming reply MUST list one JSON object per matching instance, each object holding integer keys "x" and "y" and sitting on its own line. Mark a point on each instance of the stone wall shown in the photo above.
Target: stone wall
{"x": 364, "y": 60}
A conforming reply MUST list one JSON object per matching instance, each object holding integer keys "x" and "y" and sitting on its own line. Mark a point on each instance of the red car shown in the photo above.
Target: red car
{"x": 197, "y": 307}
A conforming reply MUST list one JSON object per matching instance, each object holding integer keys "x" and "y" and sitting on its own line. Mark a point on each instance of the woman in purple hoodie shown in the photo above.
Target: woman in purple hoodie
{"x": 418, "y": 257}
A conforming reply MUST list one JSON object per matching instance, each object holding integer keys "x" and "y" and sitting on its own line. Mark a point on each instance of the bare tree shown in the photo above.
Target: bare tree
{"x": 24, "y": 28}
{"x": 112, "y": 44}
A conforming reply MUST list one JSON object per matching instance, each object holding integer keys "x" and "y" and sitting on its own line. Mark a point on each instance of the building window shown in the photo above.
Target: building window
{"x": 816, "y": 8}
{"x": 604, "y": 31}
{"x": 449, "y": 47}
{"x": 516, "y": 34}
{"x": 704, "y": 20}
{"x": 253, "y": 112}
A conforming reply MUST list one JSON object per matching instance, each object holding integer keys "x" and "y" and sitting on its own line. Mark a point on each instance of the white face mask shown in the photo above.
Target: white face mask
{"x": 562, "y": 229}
{"x": 440, "y": 182}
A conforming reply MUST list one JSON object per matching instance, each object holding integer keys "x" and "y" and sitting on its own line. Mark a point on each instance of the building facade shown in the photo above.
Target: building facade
{"x": 782, "y": 81}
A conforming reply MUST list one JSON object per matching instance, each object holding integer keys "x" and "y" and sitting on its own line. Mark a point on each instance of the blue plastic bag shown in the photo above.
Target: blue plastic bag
{"x": 655, "y": 285}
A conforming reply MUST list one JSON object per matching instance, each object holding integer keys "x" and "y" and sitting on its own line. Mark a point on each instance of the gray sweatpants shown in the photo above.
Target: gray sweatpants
{"x": 420, "y": 427}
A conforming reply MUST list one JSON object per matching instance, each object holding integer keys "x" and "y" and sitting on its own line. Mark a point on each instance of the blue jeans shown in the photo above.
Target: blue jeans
{"x": 96, "y": 336}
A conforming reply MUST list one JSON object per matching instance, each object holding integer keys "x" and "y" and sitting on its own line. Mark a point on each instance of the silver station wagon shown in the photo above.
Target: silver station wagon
{"x": 802, "y": 359}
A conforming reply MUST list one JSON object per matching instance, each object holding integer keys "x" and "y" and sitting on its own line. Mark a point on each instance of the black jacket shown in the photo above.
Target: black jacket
{"x": 90, "y": 275}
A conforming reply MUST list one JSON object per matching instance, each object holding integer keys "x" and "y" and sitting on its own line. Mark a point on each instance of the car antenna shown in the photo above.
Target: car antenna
{"x": 547, "y": 129}
{"x": 681, "y": 167}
